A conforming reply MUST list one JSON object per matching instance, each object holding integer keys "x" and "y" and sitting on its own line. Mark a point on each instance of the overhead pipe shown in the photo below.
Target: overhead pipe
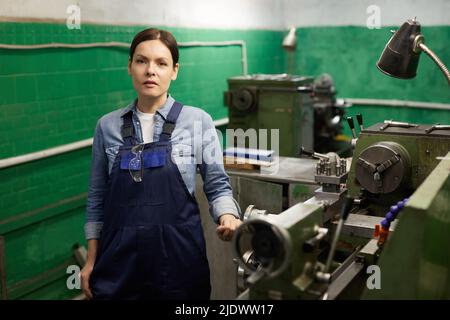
{"x": 14, "y": 161}
{"x": 240, "y": 43}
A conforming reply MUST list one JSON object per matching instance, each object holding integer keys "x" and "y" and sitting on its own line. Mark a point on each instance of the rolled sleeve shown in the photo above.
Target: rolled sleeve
{"x": 216, "y": 183}
{"x": 93, "y": 230}
{"x": 97, "y": 186}
{"x": 224, "y": 205}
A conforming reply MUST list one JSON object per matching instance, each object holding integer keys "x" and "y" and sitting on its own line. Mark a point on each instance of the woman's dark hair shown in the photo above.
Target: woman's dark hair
{"x": 155, "y": 34}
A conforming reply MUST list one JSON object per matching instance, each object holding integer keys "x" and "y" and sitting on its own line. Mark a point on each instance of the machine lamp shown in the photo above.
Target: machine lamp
{"x": 290, "y": 40}
{"x": 400, "y": 57}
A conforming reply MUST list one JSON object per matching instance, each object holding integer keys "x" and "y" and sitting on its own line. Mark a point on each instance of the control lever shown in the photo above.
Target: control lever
{"x": 325, "y": 275}
{"x": 311, "y": 244}
{"x": 390, "y": 123}
{"x": 312, "y": 154}
{"x": 360, "y": 121}
{"x": 256, "y": 276}
{"x": 437, "y": 127}
{"x": 305, "y": 89}
{"x": 352, "y": 126}
{"x": 348, "y": 203}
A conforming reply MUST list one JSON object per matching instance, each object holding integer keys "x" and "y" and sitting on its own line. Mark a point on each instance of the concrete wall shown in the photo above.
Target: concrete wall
{"x": 254, "y": 14}
{"x": 237, "y": 14}
{"x": 307, "y": 13}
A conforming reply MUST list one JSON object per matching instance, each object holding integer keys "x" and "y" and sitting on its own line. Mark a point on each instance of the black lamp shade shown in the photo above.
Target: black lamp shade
{"x": 398, "y": 58}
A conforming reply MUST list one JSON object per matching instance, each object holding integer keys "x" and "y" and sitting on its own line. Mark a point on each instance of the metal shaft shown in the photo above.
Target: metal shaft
{"x": 333, "y": 245}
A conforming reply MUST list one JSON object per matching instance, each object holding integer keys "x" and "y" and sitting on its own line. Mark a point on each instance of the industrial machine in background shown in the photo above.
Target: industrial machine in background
{"x": 380, "y": 230}
{"x": 303, "y": 109}
{"x": 328, "y": 117}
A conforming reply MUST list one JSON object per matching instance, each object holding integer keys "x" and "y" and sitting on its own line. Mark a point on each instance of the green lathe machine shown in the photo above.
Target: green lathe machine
{"x": 303, "y": 109}
{"x": 377, "y": 230}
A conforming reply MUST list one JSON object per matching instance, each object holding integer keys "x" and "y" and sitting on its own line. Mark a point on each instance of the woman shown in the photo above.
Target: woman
{"x": 145, "y": 239}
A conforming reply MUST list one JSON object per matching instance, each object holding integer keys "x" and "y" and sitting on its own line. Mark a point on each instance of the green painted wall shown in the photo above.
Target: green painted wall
{"x": 55, "y": 96}
{"x": 349, "y": 55}
{"x": 52, "y": 97}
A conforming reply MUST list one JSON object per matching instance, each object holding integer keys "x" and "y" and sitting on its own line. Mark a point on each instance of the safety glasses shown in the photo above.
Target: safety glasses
{"x": 136, "y": 165}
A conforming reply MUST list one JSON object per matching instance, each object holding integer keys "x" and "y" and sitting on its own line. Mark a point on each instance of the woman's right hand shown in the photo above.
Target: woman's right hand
{"x": 85, "y": 274}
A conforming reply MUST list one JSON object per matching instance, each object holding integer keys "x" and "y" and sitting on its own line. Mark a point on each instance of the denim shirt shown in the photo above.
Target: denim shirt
{"x": 194, "y": 144}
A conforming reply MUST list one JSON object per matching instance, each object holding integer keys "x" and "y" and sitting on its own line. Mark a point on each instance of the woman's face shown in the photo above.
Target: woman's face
{"x": 152, "y": 69}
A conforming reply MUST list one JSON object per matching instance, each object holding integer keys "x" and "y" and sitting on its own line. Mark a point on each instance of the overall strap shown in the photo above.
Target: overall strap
{"x": 127, "y": 130}
{"x": 169, "y": 124}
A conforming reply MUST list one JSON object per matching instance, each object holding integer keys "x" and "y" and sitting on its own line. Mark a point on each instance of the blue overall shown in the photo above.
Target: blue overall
{"x": 152, "y": 244}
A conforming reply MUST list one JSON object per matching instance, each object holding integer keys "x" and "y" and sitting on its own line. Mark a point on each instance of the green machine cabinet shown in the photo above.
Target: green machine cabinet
{"x": 280, "y": 102}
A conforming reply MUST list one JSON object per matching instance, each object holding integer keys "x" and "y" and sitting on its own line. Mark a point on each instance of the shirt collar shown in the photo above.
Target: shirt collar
{"x": 163, "y": 111}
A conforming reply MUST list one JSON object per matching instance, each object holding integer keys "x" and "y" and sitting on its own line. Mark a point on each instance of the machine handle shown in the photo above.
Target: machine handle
{"x": 351, "y": 124}
{"x": 305, "y": 152}
{"x": 311, "y": 244}
{"x": 348, "y": 203}
{"x": 305, "y": 89}
{"x": 359, "y": 118}
{"x": 312, "y": 154}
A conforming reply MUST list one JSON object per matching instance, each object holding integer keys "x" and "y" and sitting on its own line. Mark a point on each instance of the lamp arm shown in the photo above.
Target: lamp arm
{"x": 435, "y": 58}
